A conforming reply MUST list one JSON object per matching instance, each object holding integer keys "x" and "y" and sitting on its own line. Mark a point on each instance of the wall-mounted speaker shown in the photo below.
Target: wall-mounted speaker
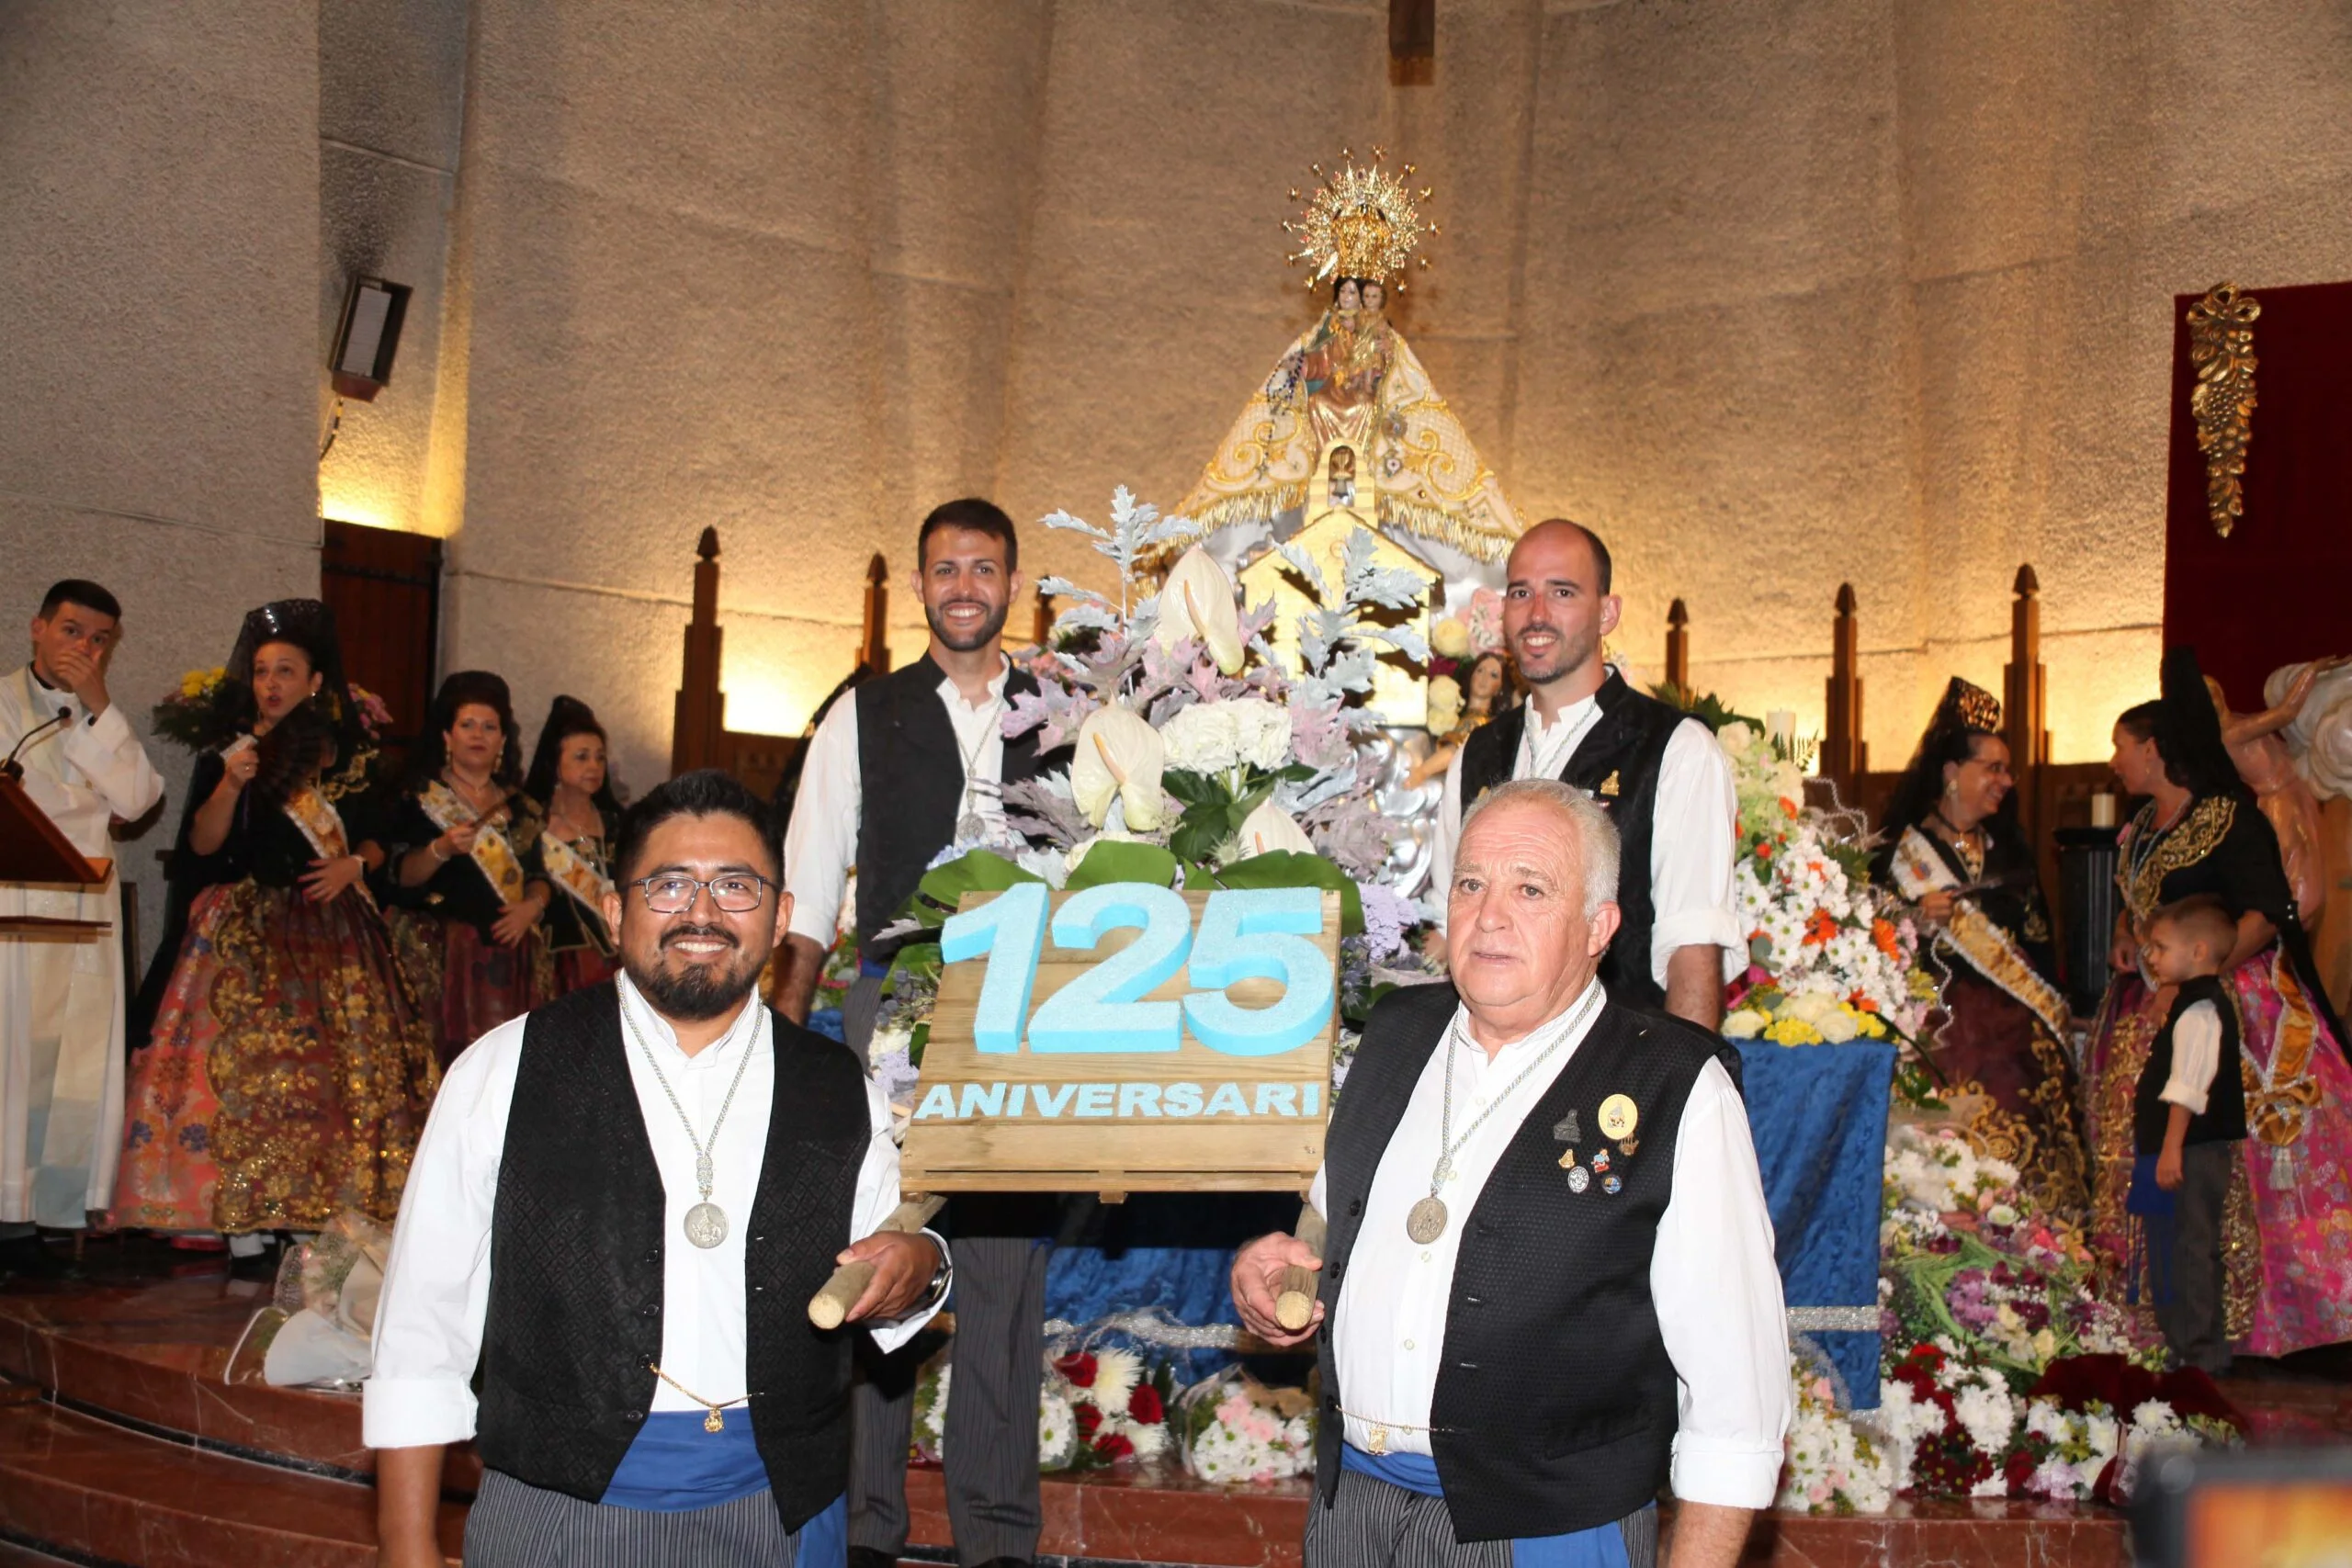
{"x": 361, "y": 364}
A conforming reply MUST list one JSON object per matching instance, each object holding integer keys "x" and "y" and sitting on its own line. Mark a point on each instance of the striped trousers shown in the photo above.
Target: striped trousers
{"x": 1373, "y": 1524}
{"x": 517, "y": 1525}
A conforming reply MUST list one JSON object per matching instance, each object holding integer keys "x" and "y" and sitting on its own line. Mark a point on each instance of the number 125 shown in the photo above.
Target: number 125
{"x": 1245, "y": 934}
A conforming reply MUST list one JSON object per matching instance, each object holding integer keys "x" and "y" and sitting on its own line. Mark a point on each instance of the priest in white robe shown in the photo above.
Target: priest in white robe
{"x": 61, "y": 997}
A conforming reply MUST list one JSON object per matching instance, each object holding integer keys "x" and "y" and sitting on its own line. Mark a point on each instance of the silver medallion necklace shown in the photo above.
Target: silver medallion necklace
{"x": 971, "y": 824}
{"x": 1425, "y": 1221}
{"x": 705, "y": 1222}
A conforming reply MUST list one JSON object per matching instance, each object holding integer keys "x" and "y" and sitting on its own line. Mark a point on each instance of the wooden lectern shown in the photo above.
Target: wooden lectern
{"x": 32, "y": 850}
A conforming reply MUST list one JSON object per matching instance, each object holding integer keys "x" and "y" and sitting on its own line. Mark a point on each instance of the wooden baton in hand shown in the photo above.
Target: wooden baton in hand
{"x": 1294, "y": 1300}
{"x": 828, "y": 1308}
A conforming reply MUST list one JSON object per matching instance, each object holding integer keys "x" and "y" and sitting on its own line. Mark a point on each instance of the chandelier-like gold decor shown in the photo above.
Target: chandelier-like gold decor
{"x": 1362, "y": 221}
{"x": 2220, "y": 348}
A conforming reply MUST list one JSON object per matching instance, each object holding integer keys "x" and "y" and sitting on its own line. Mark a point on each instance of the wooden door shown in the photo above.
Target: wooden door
{"x": 385, "y": 590}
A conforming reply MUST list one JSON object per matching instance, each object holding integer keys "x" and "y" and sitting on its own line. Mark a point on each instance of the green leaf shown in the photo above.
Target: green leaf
{"x": 980, "y": 871}
{"x": 917, "y": 1038}
{"x": 919, "y": 959}
{"x": 1200, "y": 830}
{"x": 1286, "y": 868}
{"x": 1111, "y": 861}
{"x": 1191, "y": 789}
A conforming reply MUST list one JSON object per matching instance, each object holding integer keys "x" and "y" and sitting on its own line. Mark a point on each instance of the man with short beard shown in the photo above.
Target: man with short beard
{"x": 617, "y": 1213}
{"x": 1653, "y": 769}
{"x": 904, "y": 766}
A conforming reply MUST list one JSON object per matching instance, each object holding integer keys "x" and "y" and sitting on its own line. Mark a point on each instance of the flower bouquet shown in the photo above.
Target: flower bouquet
{"x": 1829, "y": 958}
{"x": 1095, "y": 1408}
{"x": 1198, "y": 759}
{"x": 199, "y": 715}
{"x": 1234, "y": 1430}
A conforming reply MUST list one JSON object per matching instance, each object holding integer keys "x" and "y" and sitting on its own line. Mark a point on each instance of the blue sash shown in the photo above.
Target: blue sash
{"x": 1602, "y": 1546}
{"x": 674, "y": 1465}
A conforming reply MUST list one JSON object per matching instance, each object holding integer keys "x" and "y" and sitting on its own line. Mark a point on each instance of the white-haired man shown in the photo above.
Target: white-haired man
{"x": 1549, "y": 1286}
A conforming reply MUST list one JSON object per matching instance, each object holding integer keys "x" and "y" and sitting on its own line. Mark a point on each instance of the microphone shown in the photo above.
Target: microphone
{"x": 13, "y": 770}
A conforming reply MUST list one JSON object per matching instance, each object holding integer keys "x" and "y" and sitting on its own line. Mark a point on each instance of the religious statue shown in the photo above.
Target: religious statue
{"x": 1348, "y": 426}
{"x": 2317, "y": 736}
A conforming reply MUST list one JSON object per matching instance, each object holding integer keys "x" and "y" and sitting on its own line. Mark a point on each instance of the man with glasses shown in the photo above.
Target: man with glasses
{"x": 904, "y": 766}
{"x": 617, "y": 1213}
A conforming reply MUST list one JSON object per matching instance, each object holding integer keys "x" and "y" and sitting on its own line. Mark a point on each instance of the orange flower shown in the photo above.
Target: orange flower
{"x": 1819, "y": 929}
{"x": 1788, "y": 807}
{"x": 1882, "y": 937}
{"x": 1862, "y": 1003}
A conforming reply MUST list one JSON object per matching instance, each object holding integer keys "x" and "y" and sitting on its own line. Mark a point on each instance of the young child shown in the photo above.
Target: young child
{"x": 2189, "y": 1117}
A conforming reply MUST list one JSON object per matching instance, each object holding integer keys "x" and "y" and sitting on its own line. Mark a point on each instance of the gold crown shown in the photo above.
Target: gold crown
{"x": 1360, "y": 223}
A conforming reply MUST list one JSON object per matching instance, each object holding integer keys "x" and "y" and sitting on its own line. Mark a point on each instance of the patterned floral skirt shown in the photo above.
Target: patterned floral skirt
{"x": 577, "y": 969}
{"x": 467, "y": 983}
{"x": 288, "y": 1075}
{"x": 1989, "y": 1043}
{"x": 2286, "y": 1232}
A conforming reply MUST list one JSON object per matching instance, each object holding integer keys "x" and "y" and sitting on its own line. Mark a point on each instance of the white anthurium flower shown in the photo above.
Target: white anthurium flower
{"x": 1198, "y": 600}
{"x": 1120, "y": 756}
{"x": 1269, "y": 829}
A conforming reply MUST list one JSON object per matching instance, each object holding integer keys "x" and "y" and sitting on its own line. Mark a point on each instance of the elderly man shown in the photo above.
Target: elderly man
{"x": 1550, "y": 1286}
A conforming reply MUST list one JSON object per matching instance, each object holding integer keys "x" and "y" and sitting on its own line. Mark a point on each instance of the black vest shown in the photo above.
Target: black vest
{"x": 910, "y": 773}
{"x": 2223, "y": 1118}
{"x": 1555, "y": 1407}
{"x": 576, "y": 1244}
{"x": 1616, "y": 763}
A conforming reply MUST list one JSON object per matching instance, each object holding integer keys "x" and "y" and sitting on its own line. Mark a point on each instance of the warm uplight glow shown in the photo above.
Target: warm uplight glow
{"x": 773, "y": 701}
{"x": 362, "y": 511}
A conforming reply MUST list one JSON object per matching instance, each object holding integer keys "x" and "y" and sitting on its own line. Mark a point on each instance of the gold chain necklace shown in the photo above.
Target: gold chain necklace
{"x": 714, "y": 1422}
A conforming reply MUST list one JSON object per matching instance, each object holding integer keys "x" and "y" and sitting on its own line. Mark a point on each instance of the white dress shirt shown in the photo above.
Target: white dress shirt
{"x": 820, "y": 846}
{"x": 437, "y": 1287}
{"x": 1694, "y": 824}
{"x": 1712, "y": 1278}
{"x": 2196, "y": 1057}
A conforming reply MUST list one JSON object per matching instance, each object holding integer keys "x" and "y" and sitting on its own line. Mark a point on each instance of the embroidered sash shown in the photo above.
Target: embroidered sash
{"x": 1975, "y": 935}
{"x": 571, "y": 869}
{"x": 491, "y": 854}
{"x": 321, "y": 827}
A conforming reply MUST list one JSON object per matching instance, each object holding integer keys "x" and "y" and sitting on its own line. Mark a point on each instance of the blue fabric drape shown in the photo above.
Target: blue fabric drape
{"x": 1818, "y": 1116}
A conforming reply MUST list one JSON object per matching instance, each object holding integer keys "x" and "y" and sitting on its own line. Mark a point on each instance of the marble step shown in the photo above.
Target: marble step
{"x": 91, "y": 1490}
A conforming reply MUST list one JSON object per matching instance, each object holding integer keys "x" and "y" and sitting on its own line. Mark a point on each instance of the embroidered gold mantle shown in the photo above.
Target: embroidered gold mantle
{"x": 1975, "y": 935}
{"x": 491, "y": 852}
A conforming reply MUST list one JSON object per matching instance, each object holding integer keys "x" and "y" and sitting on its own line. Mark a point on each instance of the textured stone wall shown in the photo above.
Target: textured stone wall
{"x": 1778, "y": 295}
{"x": 159, "y": 262}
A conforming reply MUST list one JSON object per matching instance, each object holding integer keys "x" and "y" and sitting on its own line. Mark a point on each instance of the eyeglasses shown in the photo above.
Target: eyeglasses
{"x": 736, "y": 892}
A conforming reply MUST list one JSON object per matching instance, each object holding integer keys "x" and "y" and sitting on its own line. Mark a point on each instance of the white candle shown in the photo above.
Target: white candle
{"x": 2102, "y": 810}
{"x": 1780, "y": 724}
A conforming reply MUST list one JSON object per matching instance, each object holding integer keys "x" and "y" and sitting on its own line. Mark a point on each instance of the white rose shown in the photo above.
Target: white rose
{"x": 1837, "y": 1026}
{"x": 1449, "y": 638}
{"x": 1735, "y": 738}
{"x": 1745, "y": 1023}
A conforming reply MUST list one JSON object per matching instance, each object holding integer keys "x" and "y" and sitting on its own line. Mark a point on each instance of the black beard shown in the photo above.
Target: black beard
{"x": 701, "y": 991}
{"x": 989, "y": 631}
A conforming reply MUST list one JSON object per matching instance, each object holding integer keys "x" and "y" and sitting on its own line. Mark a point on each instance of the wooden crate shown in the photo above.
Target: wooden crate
{"x": 1115, "y": 1153}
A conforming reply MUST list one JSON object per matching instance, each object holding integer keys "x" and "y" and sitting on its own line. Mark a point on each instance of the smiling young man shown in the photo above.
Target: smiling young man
{"x": 1549, "y": 1285}
{"x": 1655, "y": 770}
{"x": 617, "y": 1216}
{"x": 908, "y": 764}
{"x": 61, "y": 1047}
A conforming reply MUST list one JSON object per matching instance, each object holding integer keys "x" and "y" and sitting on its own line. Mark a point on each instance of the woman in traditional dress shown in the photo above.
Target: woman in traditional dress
{"x": 464, "y": 878}
{"x": 290, "y": 1070}
{"x": 570, "y": 783}
{"x": 1959, "y": 858}
{"x": 2289, "y": 1249}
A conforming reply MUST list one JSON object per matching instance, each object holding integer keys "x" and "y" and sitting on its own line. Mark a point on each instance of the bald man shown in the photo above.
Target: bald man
{"x": 1655, "y": 770}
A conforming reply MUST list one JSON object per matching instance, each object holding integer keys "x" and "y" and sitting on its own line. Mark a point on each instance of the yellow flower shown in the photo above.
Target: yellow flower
{"x": 1793, "y": 1031}
{"x": 191, "y": 683}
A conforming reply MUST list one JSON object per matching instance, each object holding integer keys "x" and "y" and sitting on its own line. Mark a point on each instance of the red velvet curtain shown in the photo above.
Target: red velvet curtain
{"x": 2280, "y": 588}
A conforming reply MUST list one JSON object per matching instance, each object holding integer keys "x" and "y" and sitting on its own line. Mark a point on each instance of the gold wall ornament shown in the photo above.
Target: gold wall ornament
{"x": 1362, "y": 221}
{"x": 2220, "y": 346}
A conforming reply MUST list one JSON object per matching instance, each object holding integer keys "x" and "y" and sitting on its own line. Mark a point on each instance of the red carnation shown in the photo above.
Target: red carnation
{"x": 1077, "y": 1367}
{"x": 1144, "y": 1405}
{"x": 1114, "y": 1446}
{"x": 2019, "y": 1470}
